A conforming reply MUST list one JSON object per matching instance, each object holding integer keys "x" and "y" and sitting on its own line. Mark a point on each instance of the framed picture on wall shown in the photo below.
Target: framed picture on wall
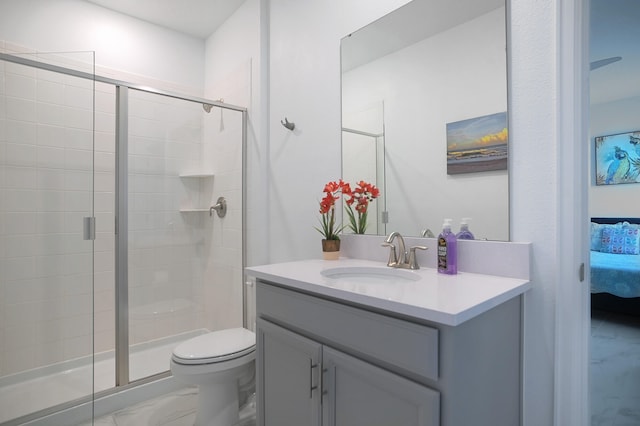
{"x": 478, "y": 144}
{"x": 617, "y": 158}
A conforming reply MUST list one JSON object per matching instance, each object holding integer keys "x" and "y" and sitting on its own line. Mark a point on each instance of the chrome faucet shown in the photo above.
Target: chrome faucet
{"x": 396, "y": 257}
{"x": 427, "y": 233}
{"x": 400, "y": 258}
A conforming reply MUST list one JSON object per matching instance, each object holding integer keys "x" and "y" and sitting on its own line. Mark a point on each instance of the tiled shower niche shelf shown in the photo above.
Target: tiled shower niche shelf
{"x": 196, "y": 175}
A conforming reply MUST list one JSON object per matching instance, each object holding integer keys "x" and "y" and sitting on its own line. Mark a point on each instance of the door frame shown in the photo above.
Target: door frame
{"x": 572, "y": 337}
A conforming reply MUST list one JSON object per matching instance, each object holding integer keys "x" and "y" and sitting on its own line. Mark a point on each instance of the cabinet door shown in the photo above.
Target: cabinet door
{"x": 361, "y": 394}
{"x": 288, "y": 377}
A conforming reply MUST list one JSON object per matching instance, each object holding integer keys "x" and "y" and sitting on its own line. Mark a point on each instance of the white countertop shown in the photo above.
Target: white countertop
{"x": 445, "y": 299}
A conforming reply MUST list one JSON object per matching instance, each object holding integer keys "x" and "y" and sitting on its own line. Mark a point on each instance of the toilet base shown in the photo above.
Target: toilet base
{"x": 217, "y": 405}
{"x": 218, "y": 391}
{"x": 219, "y": 379}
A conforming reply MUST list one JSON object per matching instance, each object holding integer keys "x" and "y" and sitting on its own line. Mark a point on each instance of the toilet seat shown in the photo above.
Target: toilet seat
{"x": 216, "y": 346}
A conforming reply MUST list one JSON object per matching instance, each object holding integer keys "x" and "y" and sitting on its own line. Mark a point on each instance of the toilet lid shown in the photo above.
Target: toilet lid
{"x": 216, "y": 346}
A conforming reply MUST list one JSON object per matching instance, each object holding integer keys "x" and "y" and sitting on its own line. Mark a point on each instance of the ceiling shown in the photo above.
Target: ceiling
{"x": 614, "y": 31}
{"x": 415, "y": 21}
{"x": 198, "y": 18}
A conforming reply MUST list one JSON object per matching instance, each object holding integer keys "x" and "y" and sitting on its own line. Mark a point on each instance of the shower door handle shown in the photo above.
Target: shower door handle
{"x": 89, "y": 228}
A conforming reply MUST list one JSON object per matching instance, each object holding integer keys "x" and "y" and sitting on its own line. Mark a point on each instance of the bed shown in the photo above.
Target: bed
{"x": 615, "y": 264}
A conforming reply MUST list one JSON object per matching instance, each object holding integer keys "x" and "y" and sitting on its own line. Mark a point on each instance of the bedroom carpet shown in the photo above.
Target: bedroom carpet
{"x": 615, "y": 369}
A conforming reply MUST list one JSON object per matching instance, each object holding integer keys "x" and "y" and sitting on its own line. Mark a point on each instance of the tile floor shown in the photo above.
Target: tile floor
{"x": 615, "y": 384}
{"x": 49, "y": 390}
{"x": 615, "y": 369}
{"x": 174, "y": 409}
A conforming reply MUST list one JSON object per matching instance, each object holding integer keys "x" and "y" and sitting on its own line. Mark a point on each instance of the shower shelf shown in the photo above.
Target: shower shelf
{"x": 194, "y": 210}
{"x": 196, "y": 175}
{"x": 198, "y": 205}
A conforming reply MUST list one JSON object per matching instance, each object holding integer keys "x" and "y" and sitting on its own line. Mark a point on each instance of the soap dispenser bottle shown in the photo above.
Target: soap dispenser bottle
{"x": 447, "y": 250}
{"x": 464, "y": 233}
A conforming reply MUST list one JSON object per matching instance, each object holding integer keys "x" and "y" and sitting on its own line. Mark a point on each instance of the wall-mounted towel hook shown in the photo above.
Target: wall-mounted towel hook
{"x": 289, "y": 125}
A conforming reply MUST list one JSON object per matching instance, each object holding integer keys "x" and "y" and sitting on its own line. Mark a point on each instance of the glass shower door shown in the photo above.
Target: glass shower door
{"x": 165, "y": 247}
{"x": 184, "y": 265}
{"x": 46, "y": 246}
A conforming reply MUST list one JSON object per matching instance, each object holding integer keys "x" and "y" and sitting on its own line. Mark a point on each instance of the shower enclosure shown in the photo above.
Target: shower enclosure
{"x": 363, "y": 156}
{"x": 108, "y": 254}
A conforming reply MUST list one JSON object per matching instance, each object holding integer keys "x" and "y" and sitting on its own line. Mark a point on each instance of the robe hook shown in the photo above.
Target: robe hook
{"x": 289, "y": 125}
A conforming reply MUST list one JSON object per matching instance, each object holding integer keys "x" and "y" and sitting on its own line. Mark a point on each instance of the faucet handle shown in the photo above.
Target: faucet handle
{"x": 393, "y": 257}
{"x": 413, "y": 261}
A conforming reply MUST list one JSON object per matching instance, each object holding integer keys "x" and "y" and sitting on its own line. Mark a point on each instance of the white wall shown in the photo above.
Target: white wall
{"x": 611, "y": 118}
{"x": 120, "y": 42}
{"x": 533, "y": 190}
{"x": 305, "y": 88}
{"x": 233, "y": 74}
{"x": 466, "y": 80}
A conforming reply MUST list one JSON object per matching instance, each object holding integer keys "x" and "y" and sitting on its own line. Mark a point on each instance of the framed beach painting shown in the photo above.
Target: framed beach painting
{"x": 617, "y": 158}
{"x": 477, "y": 144}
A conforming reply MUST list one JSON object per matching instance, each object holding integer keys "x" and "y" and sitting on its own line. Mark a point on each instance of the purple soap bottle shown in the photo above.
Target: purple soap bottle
{"x": 464, "y": 233}
{"x": 447, "y": 250}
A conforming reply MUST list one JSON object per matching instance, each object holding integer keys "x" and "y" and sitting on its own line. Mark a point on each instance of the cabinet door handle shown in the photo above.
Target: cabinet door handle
{"x": 312, "y": 387}
{"x": 323, "y": 391}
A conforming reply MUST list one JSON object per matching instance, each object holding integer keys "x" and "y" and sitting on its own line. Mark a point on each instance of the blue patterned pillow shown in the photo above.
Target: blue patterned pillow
{"x": 596, "y": 236}
{"x": 622, "y": 240}
{"x": 629, "y": 225}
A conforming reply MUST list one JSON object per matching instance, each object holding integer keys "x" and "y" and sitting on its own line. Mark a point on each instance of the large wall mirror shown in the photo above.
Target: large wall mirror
{"x": 424, "y": 107}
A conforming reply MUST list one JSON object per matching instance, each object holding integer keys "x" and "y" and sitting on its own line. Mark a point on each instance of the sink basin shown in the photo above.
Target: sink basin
{"x": 370, "y": 274}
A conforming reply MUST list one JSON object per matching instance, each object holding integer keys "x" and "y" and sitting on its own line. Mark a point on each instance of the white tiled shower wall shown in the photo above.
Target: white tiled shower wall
{"x": 184, "y": 268}
{"x": 46, "y": 190}
{"x": 222, "y": 140}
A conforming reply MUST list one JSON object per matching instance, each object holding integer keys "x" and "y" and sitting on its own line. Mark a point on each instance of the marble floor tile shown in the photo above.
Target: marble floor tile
{"x": 174, "y": 409}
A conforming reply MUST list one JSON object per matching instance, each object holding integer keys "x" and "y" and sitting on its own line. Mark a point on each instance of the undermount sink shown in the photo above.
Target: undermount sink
{"x": 370, "y": 274}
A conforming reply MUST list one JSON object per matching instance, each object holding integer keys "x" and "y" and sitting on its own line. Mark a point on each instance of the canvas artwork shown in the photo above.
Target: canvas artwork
{"x": 617, "y": 158}
{"x": 477, "y": 144}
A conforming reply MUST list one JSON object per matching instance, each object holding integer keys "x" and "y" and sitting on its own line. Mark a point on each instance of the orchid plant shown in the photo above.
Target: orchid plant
{"x": 357, "y": 205}
{"x": 332, "y": 191}
{"x": 358, "y": 199}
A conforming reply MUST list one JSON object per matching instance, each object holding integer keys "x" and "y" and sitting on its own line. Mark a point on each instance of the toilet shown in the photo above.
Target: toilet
{"x": 216, "y": 362}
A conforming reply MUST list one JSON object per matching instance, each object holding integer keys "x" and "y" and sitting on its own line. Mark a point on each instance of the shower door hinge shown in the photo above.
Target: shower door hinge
{"x": 89, "y": 227}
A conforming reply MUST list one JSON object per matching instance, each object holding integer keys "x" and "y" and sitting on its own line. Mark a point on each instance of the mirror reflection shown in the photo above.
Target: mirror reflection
{"x": 422, "y": 88}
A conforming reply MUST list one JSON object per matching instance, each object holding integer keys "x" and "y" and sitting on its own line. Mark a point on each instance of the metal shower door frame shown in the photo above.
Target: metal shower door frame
{"x": 121, "y": 207}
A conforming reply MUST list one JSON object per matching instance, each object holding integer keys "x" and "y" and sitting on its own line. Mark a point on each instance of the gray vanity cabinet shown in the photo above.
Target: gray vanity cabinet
{"x": 301, "y": 379}
{"x": 290, "y": 377}
{"x": 361, "y": 394}
{"x": 314, "y": 366}
{"x": 328, "y": 362}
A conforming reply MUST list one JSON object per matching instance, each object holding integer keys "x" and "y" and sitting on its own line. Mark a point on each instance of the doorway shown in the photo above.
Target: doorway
{"x": 614, "y": 367}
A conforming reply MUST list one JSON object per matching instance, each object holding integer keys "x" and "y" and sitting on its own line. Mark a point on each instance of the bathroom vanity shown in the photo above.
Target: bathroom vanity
{"x": 349, "y": 343}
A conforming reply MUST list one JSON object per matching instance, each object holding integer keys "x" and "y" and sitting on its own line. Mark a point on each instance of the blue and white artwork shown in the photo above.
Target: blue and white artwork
{"x": 477, "y": 144}
{"x": 618, "y": 158}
